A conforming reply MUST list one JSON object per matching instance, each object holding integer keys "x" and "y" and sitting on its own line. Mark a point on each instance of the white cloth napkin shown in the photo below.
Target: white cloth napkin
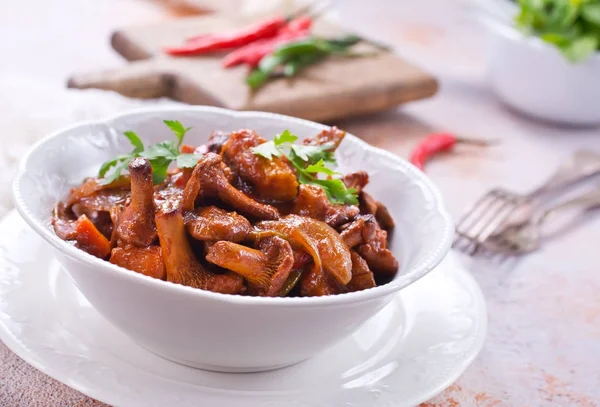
{"x": 32, "y": 108}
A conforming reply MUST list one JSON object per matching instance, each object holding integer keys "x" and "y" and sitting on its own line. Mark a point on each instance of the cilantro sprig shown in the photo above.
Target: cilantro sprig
{"x": 309, "y": 162}
{"x": 160, "y": 155}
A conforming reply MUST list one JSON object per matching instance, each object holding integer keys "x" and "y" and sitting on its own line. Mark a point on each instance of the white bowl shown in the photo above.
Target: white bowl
{"x": 210, "y": 330}
{"x": 534, "y": 78}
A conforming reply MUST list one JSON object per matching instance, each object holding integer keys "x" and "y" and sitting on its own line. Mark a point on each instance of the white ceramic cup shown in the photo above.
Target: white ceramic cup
{"x": 534, "y": 78}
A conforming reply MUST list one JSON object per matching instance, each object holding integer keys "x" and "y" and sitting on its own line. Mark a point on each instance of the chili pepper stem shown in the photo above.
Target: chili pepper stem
{"x": 379, "y": 45}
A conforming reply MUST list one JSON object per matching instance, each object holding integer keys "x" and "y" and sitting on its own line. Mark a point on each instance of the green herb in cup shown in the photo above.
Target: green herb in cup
{"x": 573, "y": 26}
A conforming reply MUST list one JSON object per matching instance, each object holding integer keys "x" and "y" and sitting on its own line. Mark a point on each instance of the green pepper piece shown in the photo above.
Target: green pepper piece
{"x": 345, "y": 41}
{"x": 294, "y": 56}
{"x": 270, "y": 62}
{"x": 259, "y": 76}
{"x": 316, "y": 46}
{"x": 294, "y": 49}
{"x": 290, "y": 282}
{"x": 295, "y": 65}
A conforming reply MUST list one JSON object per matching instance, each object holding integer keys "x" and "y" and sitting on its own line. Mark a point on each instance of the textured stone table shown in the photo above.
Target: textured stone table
{"x": 543, "y": 347}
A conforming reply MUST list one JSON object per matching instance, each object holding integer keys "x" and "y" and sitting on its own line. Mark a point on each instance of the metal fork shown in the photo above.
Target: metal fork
{"x": 525, "y": 237}
{"x": 498, "y": 206}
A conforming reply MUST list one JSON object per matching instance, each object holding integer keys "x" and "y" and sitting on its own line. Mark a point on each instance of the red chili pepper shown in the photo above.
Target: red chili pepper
{"x": 251, "y": 54}
{"x": 436, "y": 143}
{"x": 301, "y": 23}
{"x": 204, "y": 44}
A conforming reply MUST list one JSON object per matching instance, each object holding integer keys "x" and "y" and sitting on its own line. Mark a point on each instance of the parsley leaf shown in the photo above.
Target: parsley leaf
{"x": 121, "y": 162}
{"x": 337, "y": 192}
{"x": 309, "y": 161}
{"x": 267, "y": 150}
{"x": 136, "y": 142}
{"x": 160, "y": 155}
{"x": 313, "y": 154}
{"x": 271, "y": 149}
{"x": 178, "y": 129}
{"x": 165, "y": 149}
{"x": 160, "y": 166}
{"x": 285, "y": 137}
{"x": 111, "y": 163}
{"x": 320, "y": 168}
{"x": 188, "y": 160}
{"x": 116, "y": 173}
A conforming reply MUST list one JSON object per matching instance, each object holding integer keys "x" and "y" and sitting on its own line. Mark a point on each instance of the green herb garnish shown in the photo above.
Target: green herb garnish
{"x": 309, "y": 162}
{"x": 573, "y": 26}
{"x": 160, "y": 155}
{"x": 178, "y": 129}
{"x": 291, "y": 58}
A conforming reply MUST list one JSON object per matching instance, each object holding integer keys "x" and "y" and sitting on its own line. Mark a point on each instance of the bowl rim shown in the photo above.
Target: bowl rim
{"x": 432, "y": 259}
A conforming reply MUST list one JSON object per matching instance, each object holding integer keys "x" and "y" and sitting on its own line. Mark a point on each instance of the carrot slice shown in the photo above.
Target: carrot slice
{"x": 89, "y": 238}
{"x": 187, "y": 149}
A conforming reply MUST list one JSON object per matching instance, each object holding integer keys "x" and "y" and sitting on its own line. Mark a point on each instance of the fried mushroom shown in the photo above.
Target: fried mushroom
{"x": 331, "y": 137}
{"x": 312, "y": 202}
{"x": 317, "y": 282}
{"x": 213, "y": 224}
{"x": 136, "y": 222}
{"x": 357, "y": 180}
{"x": 181, "y": 265}
{"x": 318, "y": 239}
{"x": 371, "y": 206}
{"x": 362, "y": 276}
{"x": 93, "y": 185}
{"x": 359, "y": 231}
{"x": 379, "y": 258}
{"x": 209, "y": 180}
{"x": 272, "y": 179}
{"x": 64, "y": 222}
{"x": 265, "y": 269}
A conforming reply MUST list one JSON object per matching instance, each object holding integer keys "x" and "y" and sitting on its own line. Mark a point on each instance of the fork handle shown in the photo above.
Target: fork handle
{"x": 581, "y": 165}
{"x": 588, "y": 200}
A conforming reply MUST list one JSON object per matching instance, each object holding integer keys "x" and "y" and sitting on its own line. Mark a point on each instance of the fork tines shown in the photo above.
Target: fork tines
{"x": 483, "y": 218}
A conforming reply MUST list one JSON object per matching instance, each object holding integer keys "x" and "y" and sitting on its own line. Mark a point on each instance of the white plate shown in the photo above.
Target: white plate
{"x": 406, "y": 354}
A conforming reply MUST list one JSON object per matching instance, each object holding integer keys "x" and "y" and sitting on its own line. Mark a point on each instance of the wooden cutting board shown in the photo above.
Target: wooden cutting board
{"x": 333, "y": 89}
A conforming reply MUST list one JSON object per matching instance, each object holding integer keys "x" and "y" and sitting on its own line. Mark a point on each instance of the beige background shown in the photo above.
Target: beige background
{"x": 543, "y": 347}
